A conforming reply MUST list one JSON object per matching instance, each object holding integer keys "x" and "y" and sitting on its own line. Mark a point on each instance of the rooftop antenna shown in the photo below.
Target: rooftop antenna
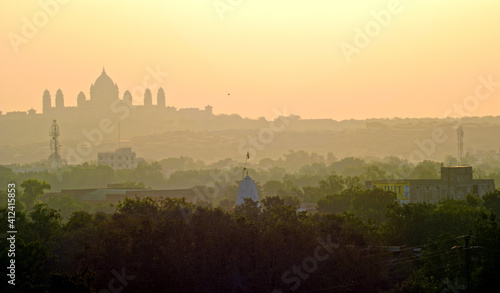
{"x": 460, "y": 142}
{"x": 245, "y": 167}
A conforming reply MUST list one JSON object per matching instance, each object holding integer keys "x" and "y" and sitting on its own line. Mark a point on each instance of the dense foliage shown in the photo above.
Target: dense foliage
{"x": 169, "y": 245}
{"x": 289, "y": 173}
{"x": 358, "y": 240}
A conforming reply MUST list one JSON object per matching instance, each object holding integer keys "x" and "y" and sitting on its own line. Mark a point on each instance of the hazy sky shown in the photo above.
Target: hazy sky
{"x": 268, "y": 54}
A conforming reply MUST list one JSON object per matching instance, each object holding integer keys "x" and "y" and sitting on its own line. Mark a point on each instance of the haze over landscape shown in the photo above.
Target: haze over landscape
{"x": 267, "y": 54}
{"x": 249, "y": 146}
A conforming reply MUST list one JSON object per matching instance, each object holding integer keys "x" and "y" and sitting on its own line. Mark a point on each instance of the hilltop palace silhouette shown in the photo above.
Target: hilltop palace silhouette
{"x": 104, "y": 97}
{"x": 104, "y": 105}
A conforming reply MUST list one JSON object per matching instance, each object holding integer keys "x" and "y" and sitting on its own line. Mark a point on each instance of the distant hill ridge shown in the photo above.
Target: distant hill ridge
{"x": 221, "y": 136}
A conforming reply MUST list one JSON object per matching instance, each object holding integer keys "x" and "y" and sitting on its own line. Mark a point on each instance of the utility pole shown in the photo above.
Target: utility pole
{"x": 467, "y": 249}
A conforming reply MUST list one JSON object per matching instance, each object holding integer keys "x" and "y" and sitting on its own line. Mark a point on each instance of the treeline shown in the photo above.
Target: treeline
{"x": 218, "y": 184}
{"x": 178, "y": 172}
{"x": 169, "y": 245}
{"x": 297, "y": 174}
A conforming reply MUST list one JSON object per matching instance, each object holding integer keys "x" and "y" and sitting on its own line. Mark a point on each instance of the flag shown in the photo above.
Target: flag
{"x": 248, "y": 155}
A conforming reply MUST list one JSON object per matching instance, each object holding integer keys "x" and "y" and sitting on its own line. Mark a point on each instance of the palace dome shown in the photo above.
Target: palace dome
{"x": 103, "y": 90}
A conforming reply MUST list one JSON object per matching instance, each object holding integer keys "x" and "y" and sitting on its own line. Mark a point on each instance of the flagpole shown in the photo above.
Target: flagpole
{"x": 245, "y": 166}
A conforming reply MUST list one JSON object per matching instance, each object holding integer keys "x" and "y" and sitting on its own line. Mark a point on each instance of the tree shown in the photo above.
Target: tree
{"x": 33, "y": 190}
{"x": 373, "y": 172}
{"x": 427, "y": 170}
{"x": 292, "y": 201}
{"x": 248, "y": 209}
{"x": 272, "y": 187}
{"x": 295, "y": 159}
{"x": 372, "y": 204}
{"x": 149, "y": 174}
{"x": 85, "y": 176}
{"x": 349, "y": 166}
{"x": 45, "y": 224}
{"x": 66, "y": 205}
{"x": 79, "y": 220}
{"x": 335, "y": 203}
{"x": 227, "y": 204}
{"x": 181, "y": 163}
{"x": 271, "y": 201}
{"x": 33, "y": 264}
{"x": 79, "y": 282}
{"x": 491, "y": 201}
{"x": 6, "y": 176}
{"x": 266, "y": 163}
{"x": 331, "y": 185}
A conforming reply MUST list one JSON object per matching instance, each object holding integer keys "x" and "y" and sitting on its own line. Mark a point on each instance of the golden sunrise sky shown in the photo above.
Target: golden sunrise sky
{"x": 268, "y": 54}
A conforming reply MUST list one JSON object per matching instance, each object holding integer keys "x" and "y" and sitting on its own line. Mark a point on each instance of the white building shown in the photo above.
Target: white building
{"x": 247, "y": 189}
{"x": 121, "y": 158}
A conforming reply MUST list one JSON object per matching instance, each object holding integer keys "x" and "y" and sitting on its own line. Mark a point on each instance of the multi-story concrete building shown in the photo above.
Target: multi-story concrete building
{"x": 456, "y": 182}
{"x": 121, "y": 158}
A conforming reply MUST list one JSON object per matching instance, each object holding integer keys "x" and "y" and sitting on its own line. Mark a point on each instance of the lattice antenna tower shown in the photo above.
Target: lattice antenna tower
{"x": 460, "y": 144}
{"x": 55, "y": 147}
